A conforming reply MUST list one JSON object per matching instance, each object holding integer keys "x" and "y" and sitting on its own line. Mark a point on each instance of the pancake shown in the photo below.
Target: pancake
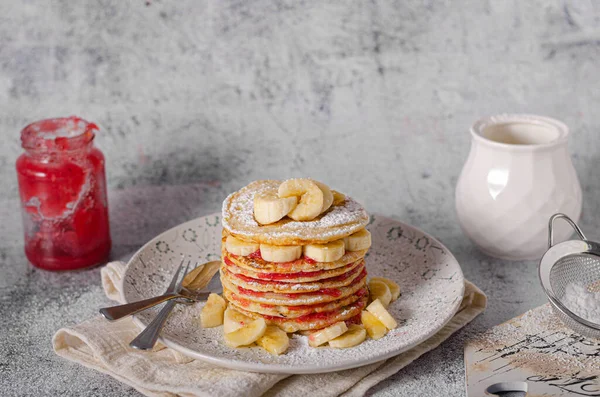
{"x": 297, "y": 299}
{"x": 292, "y": 311}
{"x": 290, "y": 288}
{"x": 297, "y": 277}
{"x": 301, "y": 265}
{"x": 337, "y": 222}
{"x": 311, "y": 321}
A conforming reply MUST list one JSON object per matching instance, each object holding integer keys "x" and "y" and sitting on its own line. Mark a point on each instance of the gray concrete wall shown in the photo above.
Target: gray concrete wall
{"x": 227, "y": 91}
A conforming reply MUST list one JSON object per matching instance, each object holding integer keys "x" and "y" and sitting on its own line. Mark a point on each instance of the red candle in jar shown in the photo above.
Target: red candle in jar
{"x": 62, "y": 184}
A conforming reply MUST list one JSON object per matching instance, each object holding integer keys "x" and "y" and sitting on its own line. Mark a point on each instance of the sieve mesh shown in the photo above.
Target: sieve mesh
{"x": 575, "y": 268}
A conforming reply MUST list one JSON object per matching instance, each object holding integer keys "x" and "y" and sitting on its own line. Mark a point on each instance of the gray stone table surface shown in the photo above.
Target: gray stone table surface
{"x": 197, "y": 98}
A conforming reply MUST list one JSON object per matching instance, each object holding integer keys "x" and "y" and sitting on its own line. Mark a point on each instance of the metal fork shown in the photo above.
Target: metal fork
{"x": 148, "y": 337}
{"x": 184, "y": 296}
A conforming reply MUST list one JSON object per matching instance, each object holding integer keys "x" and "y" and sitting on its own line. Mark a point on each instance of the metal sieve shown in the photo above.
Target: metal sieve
{"x": 573, "y": 261}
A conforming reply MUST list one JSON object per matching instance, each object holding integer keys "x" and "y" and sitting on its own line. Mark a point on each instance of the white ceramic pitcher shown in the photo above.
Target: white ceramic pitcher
{"x": 518, "y": 174}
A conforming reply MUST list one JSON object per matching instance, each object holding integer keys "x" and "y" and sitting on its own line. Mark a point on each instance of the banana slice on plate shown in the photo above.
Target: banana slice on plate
{"x": 275, "y": 340}
{"x": 392, "y": 285}
{"x": 378, "y": 310}
{"x": 358, "y": 241}
{"x": 325, "y": 252}
{"x": 212, "y": 312}
{"x": 280, "y": 253}
{"x": 327, "y": 196}
{"x": 380, "y": 290}
{"x": 311, "y": 198}
{"x": 269, "y": 207}
{"x": 239, "y": 247}
{"x": 320, "y": 337}
{"x": 374, "y": 327}
{"x": 234, "y": 320}
{"x": 247, "y": 334}
{"x": 355, "y": 335}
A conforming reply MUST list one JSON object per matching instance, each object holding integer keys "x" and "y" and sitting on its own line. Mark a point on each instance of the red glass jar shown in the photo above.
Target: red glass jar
{"x": 62, "y": 184}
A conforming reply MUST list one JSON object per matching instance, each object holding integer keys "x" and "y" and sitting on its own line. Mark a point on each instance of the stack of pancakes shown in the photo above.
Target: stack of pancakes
{"x": 297, "y": 295}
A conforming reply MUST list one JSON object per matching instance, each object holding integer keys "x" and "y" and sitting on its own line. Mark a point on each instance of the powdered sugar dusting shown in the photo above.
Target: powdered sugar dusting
{"x": 537, "y": 344}
{"x": 584, "y": 303}
{"x": 339, "y": 221}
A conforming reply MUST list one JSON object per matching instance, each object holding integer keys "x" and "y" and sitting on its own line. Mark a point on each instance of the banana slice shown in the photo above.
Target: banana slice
{"x": 212, "y": 312}
{"x": 379, "y": 311}
{"x": 327, "y": 196}
{"x": 275, "y": 340}
{"x": 358, "y": 241}
{"x": 380, "y": 290}
{"x": 326, "y": 334}
{"x": 355, "y": 335}
{"x": 234, "y": 320}
{"x": 246, "y": 335}
{"x": 239, "y": 247}
{"x": 325, "y": 252}
{"x": 338, "y": 198}
{"x": 280, "y": 253}
{"x": 394, "y": 288}
{"x": 269, "y": 207}
{"x": 311, "y": 198}
{"x": 374, "y": 327}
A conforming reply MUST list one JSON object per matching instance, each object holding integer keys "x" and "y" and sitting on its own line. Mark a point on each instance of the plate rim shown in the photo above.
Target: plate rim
{"x": 297, "y": 369}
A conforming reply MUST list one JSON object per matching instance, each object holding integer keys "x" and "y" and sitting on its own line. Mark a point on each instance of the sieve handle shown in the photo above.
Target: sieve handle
{"x": 569, "y": 221}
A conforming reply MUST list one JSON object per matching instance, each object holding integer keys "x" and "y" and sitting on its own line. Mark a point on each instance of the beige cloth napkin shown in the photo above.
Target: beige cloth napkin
{"x": 104, "y": 346}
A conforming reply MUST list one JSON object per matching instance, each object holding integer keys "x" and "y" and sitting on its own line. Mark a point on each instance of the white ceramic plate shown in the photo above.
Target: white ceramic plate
{"x": 430, "y": 278}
